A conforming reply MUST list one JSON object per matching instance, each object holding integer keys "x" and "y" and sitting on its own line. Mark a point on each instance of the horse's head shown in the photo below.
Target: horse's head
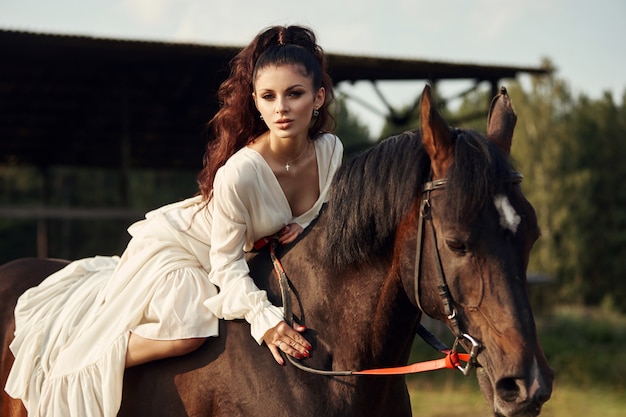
{"x": 477, "y": 232}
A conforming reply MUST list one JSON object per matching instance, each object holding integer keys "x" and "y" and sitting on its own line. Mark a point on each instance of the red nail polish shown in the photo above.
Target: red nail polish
{"x": 307, "y": 354}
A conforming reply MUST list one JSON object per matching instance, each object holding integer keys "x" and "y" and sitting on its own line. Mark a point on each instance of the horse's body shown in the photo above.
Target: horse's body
{"x": 353, "y": 276}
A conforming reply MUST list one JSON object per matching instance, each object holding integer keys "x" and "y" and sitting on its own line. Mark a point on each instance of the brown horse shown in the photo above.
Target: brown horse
{"x": 432, "y": 221}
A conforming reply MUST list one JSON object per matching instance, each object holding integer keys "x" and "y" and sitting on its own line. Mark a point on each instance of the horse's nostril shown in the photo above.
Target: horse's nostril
{"x": 507, "y": 389}
{"x": 542, "y": 396}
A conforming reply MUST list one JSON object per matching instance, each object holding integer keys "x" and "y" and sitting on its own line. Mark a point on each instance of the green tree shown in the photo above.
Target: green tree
{"x": 570, "y": 151}
{"x": 598, "y": 128}
{"x": 542, "y": 150}
{"x": 354, "y": 135}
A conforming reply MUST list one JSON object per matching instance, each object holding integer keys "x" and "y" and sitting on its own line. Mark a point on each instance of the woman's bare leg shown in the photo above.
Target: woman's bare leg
{"x": 141, "y": 350}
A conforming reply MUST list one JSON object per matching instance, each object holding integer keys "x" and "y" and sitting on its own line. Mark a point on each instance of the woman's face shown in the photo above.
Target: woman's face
{"x": 286, "y": 99}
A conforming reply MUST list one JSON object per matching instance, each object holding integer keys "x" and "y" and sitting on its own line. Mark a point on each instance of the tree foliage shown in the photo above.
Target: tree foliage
{"x": 570, "y": 149}
{"x": 354, "y": 135}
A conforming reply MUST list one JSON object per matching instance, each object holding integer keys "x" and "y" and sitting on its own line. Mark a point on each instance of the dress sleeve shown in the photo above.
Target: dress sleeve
{"x": 239, "y": 297}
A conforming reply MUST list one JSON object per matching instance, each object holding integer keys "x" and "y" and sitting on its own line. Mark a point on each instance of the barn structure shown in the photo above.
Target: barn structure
{"x": 124, "y": 104}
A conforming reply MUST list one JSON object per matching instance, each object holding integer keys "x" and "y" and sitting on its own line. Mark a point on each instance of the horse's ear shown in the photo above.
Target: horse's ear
{"x": 436, "y": 137}
{"x": 501, "y": 121}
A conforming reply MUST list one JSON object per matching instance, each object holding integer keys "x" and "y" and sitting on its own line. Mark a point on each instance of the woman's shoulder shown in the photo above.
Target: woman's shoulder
{"x": 328, "y": 138}
{"x": 241, "y": 168}
{"x": 330, "y": 144}
{"x": 244, "y": 160}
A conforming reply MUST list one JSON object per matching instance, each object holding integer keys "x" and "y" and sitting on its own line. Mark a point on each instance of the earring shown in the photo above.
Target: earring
{"x": 316, "y": 113}
{"x": 261, "y": 116}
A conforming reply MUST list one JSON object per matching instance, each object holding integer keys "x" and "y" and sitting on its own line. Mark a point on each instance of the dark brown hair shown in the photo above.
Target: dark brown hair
{"x": 237, "y": 123}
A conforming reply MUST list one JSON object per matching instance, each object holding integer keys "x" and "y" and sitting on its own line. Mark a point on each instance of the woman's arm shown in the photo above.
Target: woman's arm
{"x": 239, "y": 297}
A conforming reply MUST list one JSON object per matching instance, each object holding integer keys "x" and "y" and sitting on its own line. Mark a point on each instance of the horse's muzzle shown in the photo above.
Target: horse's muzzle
{"x": 519, "y": 396}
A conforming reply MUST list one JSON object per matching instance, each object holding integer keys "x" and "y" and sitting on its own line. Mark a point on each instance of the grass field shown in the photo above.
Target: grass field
{"x": 565, "y": 402}
{"x": 585, "y": 347}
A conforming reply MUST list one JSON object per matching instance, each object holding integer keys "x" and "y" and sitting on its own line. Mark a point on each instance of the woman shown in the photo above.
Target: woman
{"x": 266, "y": 172}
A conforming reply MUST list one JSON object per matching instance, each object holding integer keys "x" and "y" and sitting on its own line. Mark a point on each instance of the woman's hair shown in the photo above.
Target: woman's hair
{"x": 237, "y": 122}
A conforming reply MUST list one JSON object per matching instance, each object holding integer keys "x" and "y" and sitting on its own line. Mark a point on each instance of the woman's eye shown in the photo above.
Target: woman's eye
{"x": 456, "y": 245}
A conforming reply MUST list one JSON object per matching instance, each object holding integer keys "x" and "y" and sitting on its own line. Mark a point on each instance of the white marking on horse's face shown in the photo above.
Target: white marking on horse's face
{"x": 509, "y": 219}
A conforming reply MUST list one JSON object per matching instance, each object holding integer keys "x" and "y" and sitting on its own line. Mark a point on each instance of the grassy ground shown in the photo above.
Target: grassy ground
{"x": 565, "y": 402}
{"x": 585, "y": 347}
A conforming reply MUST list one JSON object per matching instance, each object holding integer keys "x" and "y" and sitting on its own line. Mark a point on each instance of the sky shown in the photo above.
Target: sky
{"x": 584, "y": 39}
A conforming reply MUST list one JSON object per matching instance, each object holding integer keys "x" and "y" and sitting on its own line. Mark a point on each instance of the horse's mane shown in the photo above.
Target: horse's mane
{"x": 370, "y": 194}
{"x": 373, "y": 191}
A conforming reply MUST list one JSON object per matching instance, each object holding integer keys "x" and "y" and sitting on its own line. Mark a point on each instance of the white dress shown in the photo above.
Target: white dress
{"x": 72, "y": 330}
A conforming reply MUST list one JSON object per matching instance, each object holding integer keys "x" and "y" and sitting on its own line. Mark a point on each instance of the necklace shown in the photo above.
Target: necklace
{"x": 288, "y": 163}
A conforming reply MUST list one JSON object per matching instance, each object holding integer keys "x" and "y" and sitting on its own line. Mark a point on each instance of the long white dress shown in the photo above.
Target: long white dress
{"x": 72, "y": 330}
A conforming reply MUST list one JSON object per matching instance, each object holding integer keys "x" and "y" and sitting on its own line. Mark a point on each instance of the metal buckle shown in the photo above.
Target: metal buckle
{"x": 472, "y": 353}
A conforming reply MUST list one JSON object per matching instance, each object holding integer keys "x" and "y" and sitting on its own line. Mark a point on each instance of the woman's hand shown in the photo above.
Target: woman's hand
{"x": 289, "y": 233}
{"x": 284, "y": 338}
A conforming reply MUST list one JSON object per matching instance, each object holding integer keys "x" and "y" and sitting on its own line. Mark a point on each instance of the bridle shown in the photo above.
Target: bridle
{"x": 453, "y": 359}
{"x": 444, "y": 291}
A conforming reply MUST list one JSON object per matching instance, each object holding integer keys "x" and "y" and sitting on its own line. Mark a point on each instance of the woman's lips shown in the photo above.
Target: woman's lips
{"x": 283, "y": 123}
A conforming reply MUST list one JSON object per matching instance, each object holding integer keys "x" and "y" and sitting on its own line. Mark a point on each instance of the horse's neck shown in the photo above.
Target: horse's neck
{"x": 392, "y": 320}
{"x": 361, "y": 315}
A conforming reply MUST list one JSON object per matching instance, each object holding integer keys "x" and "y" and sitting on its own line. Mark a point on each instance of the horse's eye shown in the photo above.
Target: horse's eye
{"x": 456, "y": 245}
